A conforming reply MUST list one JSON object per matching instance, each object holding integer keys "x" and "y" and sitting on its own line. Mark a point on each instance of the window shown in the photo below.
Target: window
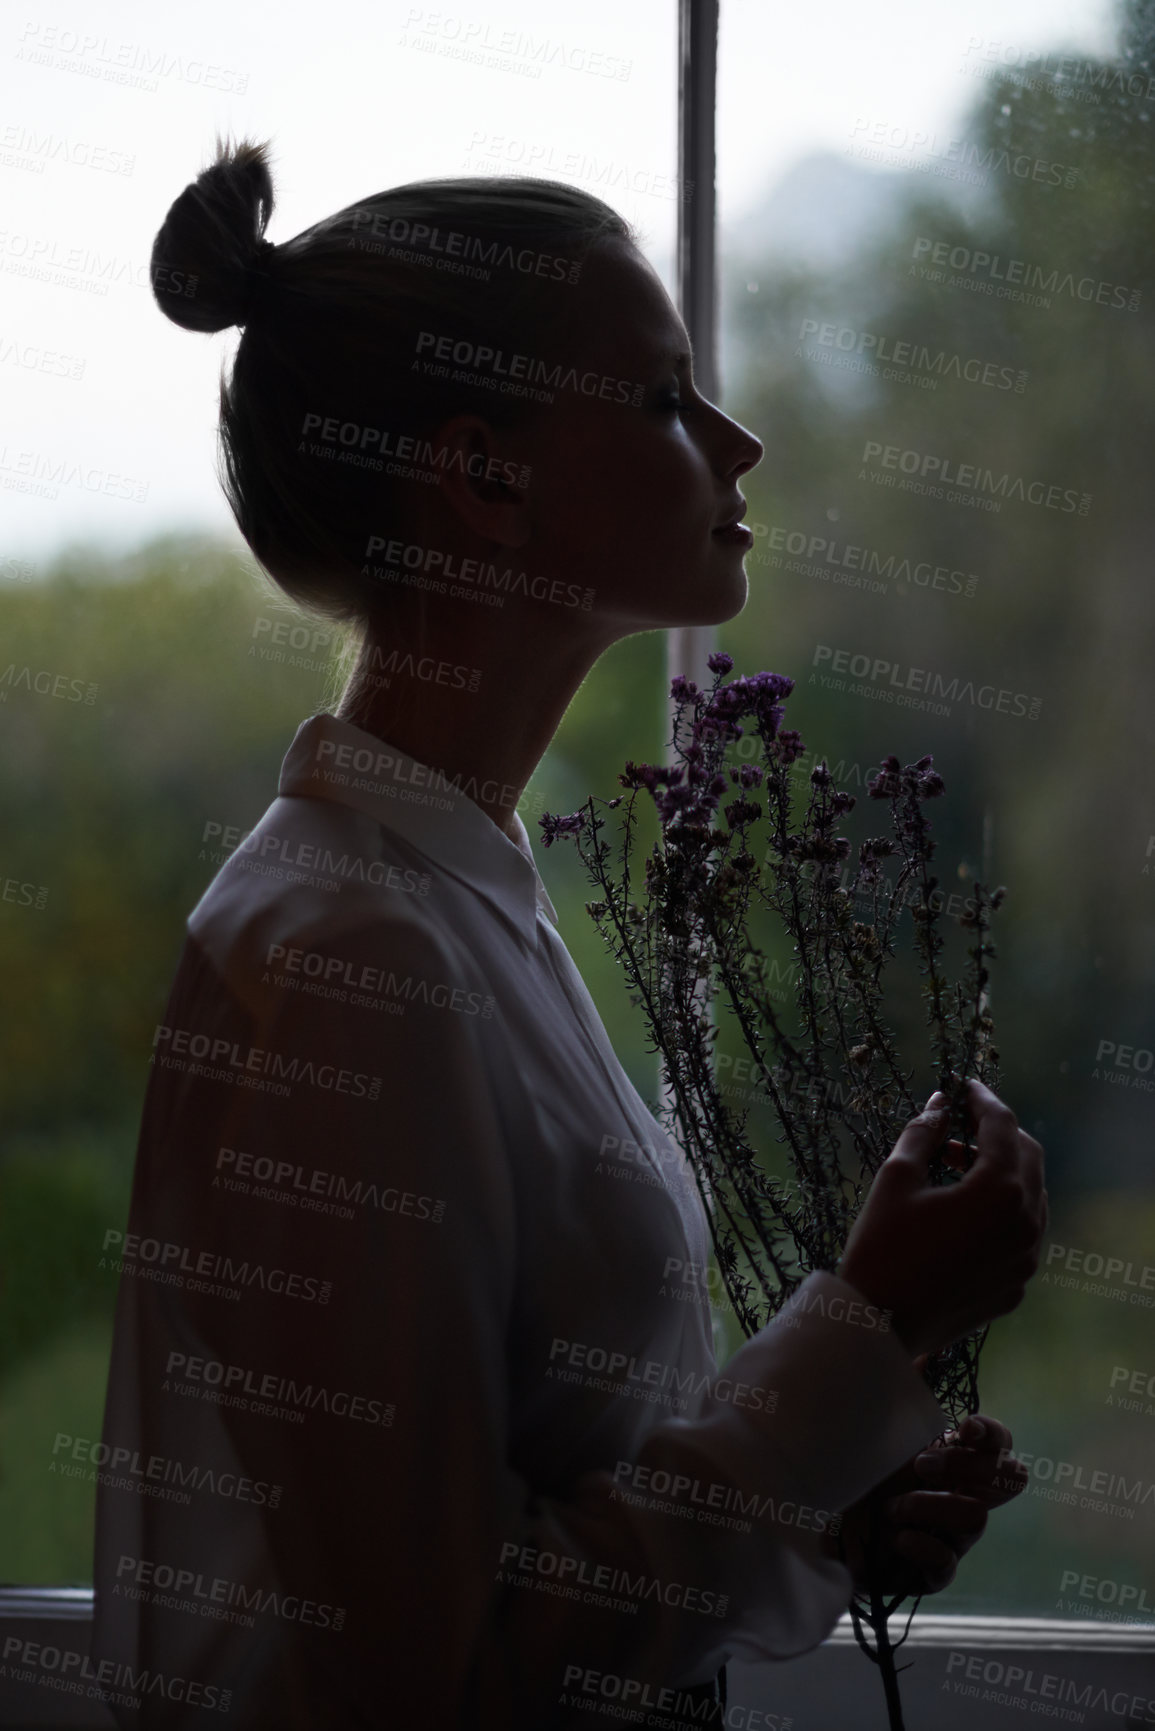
{"x": 933, "y": 299}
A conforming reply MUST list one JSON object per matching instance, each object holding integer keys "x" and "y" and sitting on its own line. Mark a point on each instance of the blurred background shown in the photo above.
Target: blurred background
{"x": 936, "y": 242}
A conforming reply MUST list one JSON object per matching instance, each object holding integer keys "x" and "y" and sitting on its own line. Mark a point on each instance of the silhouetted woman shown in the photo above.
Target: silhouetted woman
{"x": 413, "y": 1361}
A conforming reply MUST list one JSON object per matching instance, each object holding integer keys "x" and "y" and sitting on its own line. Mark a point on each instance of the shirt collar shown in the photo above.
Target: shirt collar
{"x": 333, "y": 759}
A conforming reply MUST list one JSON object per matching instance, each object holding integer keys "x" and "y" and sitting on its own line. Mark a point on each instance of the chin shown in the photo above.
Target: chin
{"x": 717, "y": 599}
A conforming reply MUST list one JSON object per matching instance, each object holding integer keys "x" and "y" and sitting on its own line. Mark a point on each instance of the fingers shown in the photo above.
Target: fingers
{"x": 996, "y": 1131}
{"x": 957, "y": 1154}
{"x": 910, "y": 1156}
{"x": 935, "y": 1530}
{"x": 978, "y": 1429}
{"x": 1002, "y": 1149}
{"x": 945, "y": 1512}
{"x": 989, "y": 1471}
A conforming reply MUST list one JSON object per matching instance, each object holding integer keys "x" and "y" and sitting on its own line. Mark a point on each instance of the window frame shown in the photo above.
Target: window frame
{"x": 58, "y": 1610}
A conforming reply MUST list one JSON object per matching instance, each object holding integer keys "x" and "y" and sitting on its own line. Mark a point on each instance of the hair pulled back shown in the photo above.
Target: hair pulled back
{"x": 330, "y": 321}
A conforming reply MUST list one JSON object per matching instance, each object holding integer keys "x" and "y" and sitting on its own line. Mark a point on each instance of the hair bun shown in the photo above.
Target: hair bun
{"x": 205, "y": 250}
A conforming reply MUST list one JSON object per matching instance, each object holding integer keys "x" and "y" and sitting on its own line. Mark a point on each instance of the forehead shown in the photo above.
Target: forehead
{"x": 625, "y": 310}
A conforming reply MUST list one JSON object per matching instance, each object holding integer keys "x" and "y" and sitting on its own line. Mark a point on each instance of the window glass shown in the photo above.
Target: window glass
{"x": 150, "y": 683}
{"x": 936, "y": 311}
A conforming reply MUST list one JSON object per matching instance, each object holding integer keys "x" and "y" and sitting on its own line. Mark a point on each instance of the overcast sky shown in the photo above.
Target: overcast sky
{"x": 108, "y": 410}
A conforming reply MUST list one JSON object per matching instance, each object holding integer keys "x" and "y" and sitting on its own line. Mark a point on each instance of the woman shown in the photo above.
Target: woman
{"x": 414, "y": 1340}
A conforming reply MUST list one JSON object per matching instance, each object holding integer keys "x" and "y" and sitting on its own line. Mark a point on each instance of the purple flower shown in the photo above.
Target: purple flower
{"x": 719, "y": 661}
{"x": 887, "y": 784}
{"x": 789, "y": 746}
{"x": 759, "y": 694}
{"x": 553, "y": 825}
{"x": 742, "y": 811}
{"x": 648, "y": 775}
{"x": 748, "y": 775}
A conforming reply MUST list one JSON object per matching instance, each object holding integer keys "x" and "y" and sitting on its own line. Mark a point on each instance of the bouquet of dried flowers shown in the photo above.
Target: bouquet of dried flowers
{"x": 738, "y": 858}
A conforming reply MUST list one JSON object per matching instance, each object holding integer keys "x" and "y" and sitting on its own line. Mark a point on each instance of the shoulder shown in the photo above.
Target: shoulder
{"x": 315, "y": 889}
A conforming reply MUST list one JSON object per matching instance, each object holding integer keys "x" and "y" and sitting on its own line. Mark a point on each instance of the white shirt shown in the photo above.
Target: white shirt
{"x": 441, "y": 1277}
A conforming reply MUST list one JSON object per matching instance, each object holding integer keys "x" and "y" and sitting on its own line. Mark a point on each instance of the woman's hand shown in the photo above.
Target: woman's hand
{"x": 947, "y": 1259}
{"x": 933, "y": 1509}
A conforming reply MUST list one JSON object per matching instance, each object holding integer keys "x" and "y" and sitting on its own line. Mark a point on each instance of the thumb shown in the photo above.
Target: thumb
{"x": 909, "y": 1159}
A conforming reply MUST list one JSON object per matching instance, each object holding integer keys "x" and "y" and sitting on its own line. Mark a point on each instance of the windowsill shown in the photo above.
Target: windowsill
{"x": 1046, "y": 1654}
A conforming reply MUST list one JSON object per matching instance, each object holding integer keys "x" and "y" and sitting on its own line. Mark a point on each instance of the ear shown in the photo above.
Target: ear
{"x": 481, "y": 474}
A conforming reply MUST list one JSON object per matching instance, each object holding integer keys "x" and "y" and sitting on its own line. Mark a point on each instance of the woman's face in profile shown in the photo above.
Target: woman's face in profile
{"x": 626, "y": 498}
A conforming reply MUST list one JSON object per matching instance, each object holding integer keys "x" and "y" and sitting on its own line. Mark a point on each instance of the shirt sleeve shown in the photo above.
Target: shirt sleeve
{"x": 316, "y": 1292}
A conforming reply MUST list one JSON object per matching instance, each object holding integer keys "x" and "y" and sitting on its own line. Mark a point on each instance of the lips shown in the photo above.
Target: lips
{"x": 732, "y": 521}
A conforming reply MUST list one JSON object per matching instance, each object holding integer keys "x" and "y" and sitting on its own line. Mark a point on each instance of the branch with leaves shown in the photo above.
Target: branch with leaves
{"x": 739, "y": 857}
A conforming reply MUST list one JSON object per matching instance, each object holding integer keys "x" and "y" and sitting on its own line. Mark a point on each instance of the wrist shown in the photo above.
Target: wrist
{"x": 901, "y": 1321}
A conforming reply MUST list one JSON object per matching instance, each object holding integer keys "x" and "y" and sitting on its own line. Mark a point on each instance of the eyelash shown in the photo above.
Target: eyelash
{"x": 678, "y": 405}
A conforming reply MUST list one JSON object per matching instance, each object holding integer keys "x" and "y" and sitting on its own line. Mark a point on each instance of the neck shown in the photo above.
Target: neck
{"x": 495, "y": 735}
